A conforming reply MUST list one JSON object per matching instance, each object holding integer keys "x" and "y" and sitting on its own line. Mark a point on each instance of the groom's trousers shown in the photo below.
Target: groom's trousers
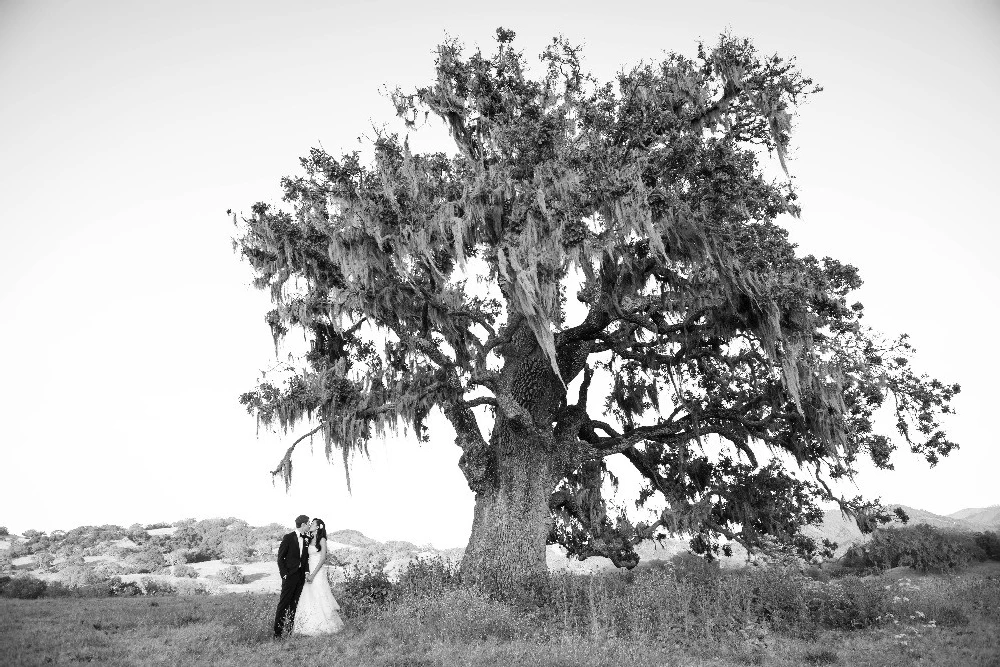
{"x": 291, "y": 588}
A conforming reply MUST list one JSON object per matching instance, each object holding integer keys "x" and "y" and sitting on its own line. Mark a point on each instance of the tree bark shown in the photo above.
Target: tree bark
{"x": 506, "y": 549}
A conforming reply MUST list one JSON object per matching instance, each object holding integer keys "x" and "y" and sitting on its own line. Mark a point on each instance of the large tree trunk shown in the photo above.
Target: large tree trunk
{"x": 506, "y": 549}
{"x": 521, "y": 466}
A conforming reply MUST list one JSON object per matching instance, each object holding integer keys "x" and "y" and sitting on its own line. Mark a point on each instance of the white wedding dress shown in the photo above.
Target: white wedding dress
{"x": 317, "y": 609}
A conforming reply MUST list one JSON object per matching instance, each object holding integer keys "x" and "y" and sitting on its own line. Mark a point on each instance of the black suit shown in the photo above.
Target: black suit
{"x": 293, "y": 565}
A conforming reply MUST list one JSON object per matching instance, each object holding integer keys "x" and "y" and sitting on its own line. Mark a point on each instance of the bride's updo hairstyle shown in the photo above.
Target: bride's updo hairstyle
{"x": 320, "y": 531}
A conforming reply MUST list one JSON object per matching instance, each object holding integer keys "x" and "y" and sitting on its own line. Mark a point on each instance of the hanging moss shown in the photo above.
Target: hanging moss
{"x": 426, "y": 281}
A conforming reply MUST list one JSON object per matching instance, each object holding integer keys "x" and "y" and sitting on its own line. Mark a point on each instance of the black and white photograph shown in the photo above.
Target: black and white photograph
{"x": 536, "y": 333}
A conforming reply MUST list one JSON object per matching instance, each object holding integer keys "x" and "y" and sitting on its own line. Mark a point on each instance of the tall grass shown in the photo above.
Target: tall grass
{"x": 683, "y": 613}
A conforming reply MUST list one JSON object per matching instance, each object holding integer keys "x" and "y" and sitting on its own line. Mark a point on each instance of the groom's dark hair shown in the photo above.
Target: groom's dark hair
{"x": 301, "y": 519}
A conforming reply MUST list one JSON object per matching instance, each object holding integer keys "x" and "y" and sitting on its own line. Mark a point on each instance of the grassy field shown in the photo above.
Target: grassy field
{"x": 655, "y": 617}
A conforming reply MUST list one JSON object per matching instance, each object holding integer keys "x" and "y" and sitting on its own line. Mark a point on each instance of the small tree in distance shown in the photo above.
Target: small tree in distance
{"x": 434, "y": 281}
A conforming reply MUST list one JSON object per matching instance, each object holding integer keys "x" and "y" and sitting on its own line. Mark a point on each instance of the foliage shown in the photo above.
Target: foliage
{"x": 922, "y": 547}
{"x": 23, "y": 587}
{"x": 189, "y": 587}
{"x": 364, "y": 590}
{"x": 119, "y": 588}
{"x": 989, "y": 542}
{"x": 80, "y": 575}
{"x": 151, "y": 586}
{"x": 185, "y": 571}
{"x": 235, "y": 630}
{"x": 43, "y": 561}
{"x": 434, "y": 281}
{"x": 149, "y": 559}
{"x": 4, "y": 532}
{"x": 423, "y": 577}
{"x": 232, "y": 575}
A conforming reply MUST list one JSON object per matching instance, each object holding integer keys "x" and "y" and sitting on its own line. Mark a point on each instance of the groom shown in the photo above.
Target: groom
{"x": 293, "y": 563}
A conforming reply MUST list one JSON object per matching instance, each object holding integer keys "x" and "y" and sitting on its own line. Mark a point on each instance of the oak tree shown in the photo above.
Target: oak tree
{"x": 595, "y": 271}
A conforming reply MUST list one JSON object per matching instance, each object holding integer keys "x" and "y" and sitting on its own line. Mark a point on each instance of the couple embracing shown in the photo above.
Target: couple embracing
{"x": 306, "y": 597}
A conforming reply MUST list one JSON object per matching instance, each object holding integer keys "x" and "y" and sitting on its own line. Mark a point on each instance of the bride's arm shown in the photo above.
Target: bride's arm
{"x": 320, "y": 559}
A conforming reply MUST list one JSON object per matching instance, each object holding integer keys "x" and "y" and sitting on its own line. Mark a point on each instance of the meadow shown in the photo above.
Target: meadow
{"x": 681, "y": 613}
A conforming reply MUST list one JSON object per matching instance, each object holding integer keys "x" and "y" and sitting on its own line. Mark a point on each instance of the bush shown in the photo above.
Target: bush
{"x": 80, "y": 575}
{"x": 232, "y": 575}
{"x": 24, "y": 588}
{"x": 4, "y": 532}
{"x": 6, "y": 561}
{"x": 189, "y": 587}
{"x": 185, "y": 571}
{"x": 119, "y": 588}
{"x": 109, "y": 568}
{"x": 989, "y": 542}
{"x": 237, "y": 552}
{"x": 921, "y": 547}
{"x": 851, "y": 602}
{"x": 198, "y": 555}
{"x": 152, "y": 586}
{"x": 428, "y": 577}
{"x": 43, "y": 561}
{"x": 145, "y": 561}
{"x": 177, "y": 557}
{"x": 365, "y": 590}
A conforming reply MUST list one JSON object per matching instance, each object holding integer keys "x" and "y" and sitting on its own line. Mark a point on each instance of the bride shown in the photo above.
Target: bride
{"x": 317, "y": 608}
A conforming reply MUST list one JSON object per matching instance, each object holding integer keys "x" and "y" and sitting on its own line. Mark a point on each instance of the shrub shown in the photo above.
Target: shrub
{"x": 185, "y": 571}
{"x": 177, "y": 557}
{"x": 43, "y": 561}
{"x": 143, "y": 562}
{"x": 109, "y": 568}
{"x": 428, "y": 576}
{"x": 365, "y": 590}
{"x": 80, "y": 575}
{"x": 160, "y": 524}
{"x": 989, "y": 542}
{"x": 232, "y": 575}
{"x": 152, "y": 586}
{"x": 4, "y": 532}
{"x": 198, "y": 555}
{"x": 189, "y": 587}
{"x": 57, "y": 589}
{"x": 119, "y": 588}
{"x": 850, "y": 602}
{"x": 24, "y": 588}
{"x": 921, "y": 547}
{"x": 237, "y": 552}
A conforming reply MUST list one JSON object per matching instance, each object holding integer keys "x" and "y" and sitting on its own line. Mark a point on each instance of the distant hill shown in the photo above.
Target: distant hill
{"x": 350, "y": 537}
{"x": 350, "y": 547}
{"x": 982, "y": 518}
{"x": 845, "y": 532}
{"x": 936, "y": 520}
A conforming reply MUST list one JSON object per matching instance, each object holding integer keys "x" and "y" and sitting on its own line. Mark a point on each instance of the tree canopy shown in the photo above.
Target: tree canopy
{"x": 618, "y": 236}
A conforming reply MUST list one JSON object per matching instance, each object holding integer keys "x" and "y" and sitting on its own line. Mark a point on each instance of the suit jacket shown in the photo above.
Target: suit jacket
{"x": 290, "y": 559}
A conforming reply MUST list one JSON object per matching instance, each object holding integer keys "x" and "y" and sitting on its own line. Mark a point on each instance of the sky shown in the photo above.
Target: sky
{"x": 127, "y": 129}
